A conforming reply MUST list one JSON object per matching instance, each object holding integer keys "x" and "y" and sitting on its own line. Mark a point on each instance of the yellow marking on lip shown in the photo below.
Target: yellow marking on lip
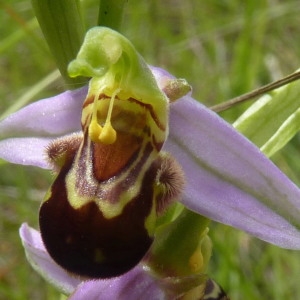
{"x": 89, "y": 192}
{"x": 108, "y": 209}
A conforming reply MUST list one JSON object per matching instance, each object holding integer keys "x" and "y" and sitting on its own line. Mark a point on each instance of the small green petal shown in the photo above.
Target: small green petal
{"x": 106, "y": 52}
{"x": 115, "y": 66}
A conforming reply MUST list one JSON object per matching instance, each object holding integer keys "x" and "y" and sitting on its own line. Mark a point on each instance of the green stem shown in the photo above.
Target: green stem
{"x": 175, "y": 243}
{"x": 62, "y": 26}
{"x": 111, "y": 13}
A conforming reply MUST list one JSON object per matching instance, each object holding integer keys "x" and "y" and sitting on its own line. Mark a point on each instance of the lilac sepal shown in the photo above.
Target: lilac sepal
{"x": 229, "y": 180}
{"x": 134, "y": 285}
{"x": 51, "y": 117}
{"x": 25, "y": 151}
{"x": 29, "y": 130}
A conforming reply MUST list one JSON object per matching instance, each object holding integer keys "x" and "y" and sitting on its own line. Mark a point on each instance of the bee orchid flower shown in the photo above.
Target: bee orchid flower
{"x": 226, "y": 178}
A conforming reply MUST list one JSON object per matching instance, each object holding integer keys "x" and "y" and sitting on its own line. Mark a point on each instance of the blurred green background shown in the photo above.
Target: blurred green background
{"x": 223, "y": 48}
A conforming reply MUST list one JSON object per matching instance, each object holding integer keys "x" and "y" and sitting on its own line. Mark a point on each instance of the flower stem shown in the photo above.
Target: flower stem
{"x": 182, "y": 247}
{"x": 257, "y": 92}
